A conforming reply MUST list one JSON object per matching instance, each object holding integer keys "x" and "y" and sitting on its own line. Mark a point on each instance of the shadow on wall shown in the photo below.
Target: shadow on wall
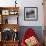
{"x": 37, "y": 29}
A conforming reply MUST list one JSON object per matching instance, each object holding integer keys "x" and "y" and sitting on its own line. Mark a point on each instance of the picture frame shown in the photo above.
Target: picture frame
{"x": 13, "y": 12}
{"x": 5, "y": 12}
{"x": 30, "y": 13}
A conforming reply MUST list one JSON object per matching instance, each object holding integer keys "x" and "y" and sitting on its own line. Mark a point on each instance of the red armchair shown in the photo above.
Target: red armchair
{"x": 28, "y": 35}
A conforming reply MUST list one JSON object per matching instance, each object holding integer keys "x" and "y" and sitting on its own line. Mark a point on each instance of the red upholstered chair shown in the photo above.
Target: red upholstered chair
{"x": 29, "y": 33}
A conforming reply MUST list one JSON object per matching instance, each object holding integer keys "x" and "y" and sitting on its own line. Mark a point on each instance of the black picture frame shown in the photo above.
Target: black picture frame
{"x": 30, "y": 13}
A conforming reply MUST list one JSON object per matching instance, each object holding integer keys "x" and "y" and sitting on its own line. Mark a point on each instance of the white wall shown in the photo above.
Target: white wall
{"x": 30, "y": 3}
{"x": 26, "y": 3}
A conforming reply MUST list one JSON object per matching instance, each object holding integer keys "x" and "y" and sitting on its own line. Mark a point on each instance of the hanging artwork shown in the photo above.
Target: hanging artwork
{"x": 31, "y": 13}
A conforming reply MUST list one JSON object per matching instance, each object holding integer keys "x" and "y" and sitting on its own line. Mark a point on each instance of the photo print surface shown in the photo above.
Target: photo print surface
{"x": 30, "y": 13}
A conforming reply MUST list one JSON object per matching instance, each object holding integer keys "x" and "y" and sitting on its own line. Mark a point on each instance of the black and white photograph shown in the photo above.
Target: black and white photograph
{"x": 30, "y": 13}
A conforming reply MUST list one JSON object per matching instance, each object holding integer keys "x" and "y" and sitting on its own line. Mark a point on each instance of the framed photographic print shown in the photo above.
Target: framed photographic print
{"x": 5, "y": 12}
{"x": 13, "y": 12}
{"x": 31, "y": 13}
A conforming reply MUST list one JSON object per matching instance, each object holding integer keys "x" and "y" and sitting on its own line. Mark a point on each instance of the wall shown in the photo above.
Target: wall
{"x": 26, "y": 3}
{"x": 30, "y": 3}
